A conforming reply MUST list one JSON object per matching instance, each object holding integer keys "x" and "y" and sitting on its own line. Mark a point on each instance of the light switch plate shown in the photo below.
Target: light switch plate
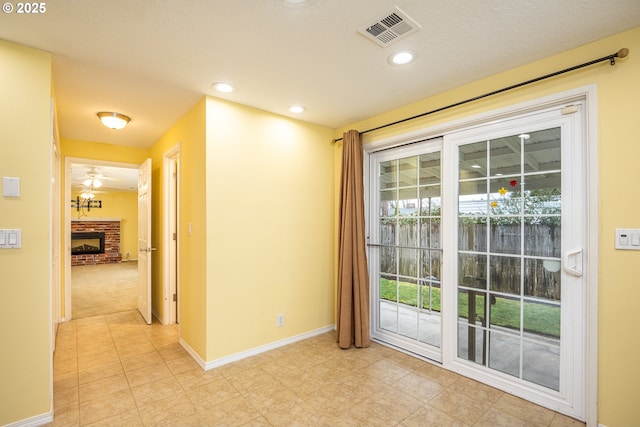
{"x": 628, "y": 238}
{"x": 10, "y": 186}
{"x": 10, "y": 239}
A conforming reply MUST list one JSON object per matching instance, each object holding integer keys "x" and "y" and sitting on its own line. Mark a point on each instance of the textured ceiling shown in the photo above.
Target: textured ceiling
{"x": 153, "y": 59}
{"x": 113, "y": 178}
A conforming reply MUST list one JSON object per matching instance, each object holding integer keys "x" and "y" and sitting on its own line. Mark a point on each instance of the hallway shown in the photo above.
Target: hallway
{"x": 114, "y": 370}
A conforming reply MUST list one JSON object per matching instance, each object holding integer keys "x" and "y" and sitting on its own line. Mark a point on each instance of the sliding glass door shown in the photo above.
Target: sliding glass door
{"x": 476, "y": 253}
{"x": 405, "y": 247}
{"x": 509, "y": 254}
{"x": 518, "y": 214}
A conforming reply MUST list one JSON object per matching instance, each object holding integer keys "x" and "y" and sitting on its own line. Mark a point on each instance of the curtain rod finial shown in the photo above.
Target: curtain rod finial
{"x": 622, "y": 53}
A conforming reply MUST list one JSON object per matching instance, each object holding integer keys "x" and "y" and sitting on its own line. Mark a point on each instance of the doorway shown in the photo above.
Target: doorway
{"x": 101, "y": 283}
{"x": 476, "y": 249}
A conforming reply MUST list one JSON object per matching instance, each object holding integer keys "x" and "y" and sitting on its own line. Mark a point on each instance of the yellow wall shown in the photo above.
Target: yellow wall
{"x": 25, "y": 132}
{"x": 269, "y": 228}
{"x": 189, "y": 132}
{"x": 106, "y": 152}
{"x": 115, "y": 204}
{"x": 618, "y": 91}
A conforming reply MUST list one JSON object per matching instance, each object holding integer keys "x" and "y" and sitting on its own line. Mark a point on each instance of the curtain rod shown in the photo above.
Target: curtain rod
{"x": 611, "y": 58}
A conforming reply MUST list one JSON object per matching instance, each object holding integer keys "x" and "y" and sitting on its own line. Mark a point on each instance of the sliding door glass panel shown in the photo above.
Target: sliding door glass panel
{"x": 408, "y": 248}
{"x": 509, "y": 212}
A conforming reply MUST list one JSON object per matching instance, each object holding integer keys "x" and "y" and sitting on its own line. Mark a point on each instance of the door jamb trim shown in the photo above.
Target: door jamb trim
{"x": 173, "y": 154}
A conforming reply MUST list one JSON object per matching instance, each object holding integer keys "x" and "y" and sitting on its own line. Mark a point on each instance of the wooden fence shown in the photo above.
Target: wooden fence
{"x": 504, "y": 242}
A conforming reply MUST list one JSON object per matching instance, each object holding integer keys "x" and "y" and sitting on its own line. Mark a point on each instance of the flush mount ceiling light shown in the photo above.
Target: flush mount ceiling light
{"x": 113, "y": 120}
{"x": 298, "y": 2}
{"x": 223, "y": 87}
{"x": 297, "y": 109}
{"x": 402, "y": 57}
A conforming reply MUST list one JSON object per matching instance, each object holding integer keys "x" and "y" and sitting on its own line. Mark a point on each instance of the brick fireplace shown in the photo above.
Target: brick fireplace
{"x": 83, "y": 232}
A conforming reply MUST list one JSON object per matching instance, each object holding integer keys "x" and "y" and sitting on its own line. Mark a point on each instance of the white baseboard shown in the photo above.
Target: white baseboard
{"x": 157, "y": 316}
{"x": 193, "y": 354}
{"x": 254, "y": 351}
{"x": 38, "y": 420}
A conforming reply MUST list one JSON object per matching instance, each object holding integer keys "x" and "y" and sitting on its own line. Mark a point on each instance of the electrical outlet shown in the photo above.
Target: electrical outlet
{"x": 280, "y": 320}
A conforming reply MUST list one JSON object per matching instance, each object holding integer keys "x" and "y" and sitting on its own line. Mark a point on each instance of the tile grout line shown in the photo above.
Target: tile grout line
{"x": 124, "y": 372}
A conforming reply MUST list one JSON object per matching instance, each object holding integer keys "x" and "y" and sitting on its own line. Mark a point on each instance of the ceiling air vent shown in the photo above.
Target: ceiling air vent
{"x": 390, "y": 27}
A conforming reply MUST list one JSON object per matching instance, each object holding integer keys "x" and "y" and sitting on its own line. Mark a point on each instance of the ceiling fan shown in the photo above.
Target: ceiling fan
{"x": 91, "y": 184}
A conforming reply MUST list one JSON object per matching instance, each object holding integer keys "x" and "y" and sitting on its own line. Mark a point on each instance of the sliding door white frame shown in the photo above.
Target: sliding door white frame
{"x": 587, "y": 95}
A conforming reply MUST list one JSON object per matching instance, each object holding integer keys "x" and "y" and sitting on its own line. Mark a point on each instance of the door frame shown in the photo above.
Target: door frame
{"x": 68, "y": 315}
{"x": 56, "y": 243}
{"x": 588, "y": 95}
{"x": 171, "y": 216}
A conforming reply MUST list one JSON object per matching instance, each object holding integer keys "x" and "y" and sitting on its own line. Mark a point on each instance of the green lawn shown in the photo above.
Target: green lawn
{"x": 538, "y": 318}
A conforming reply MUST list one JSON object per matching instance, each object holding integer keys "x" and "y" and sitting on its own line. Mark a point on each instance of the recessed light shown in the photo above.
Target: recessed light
{"x": 297, "y": 109}
{"x": 402, "y": 57}
{"x": 223, "y": 87}
{"x": 298, "y": 2}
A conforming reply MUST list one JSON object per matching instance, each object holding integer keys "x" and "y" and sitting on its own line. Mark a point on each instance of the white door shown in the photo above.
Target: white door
{"x": 516, "y": 228}
{"x": 144, "y": 240}
{"x": 486, "y": 275}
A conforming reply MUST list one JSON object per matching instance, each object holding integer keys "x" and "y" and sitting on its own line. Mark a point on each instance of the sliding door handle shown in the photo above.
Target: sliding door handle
{"x": 573, "y": 262}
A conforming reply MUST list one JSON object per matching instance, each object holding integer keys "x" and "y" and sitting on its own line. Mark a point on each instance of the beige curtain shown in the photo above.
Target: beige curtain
{"x": 353, "y": 275}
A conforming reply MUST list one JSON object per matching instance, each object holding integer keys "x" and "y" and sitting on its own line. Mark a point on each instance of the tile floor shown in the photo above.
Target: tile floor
{"x": 114, "y": 370}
